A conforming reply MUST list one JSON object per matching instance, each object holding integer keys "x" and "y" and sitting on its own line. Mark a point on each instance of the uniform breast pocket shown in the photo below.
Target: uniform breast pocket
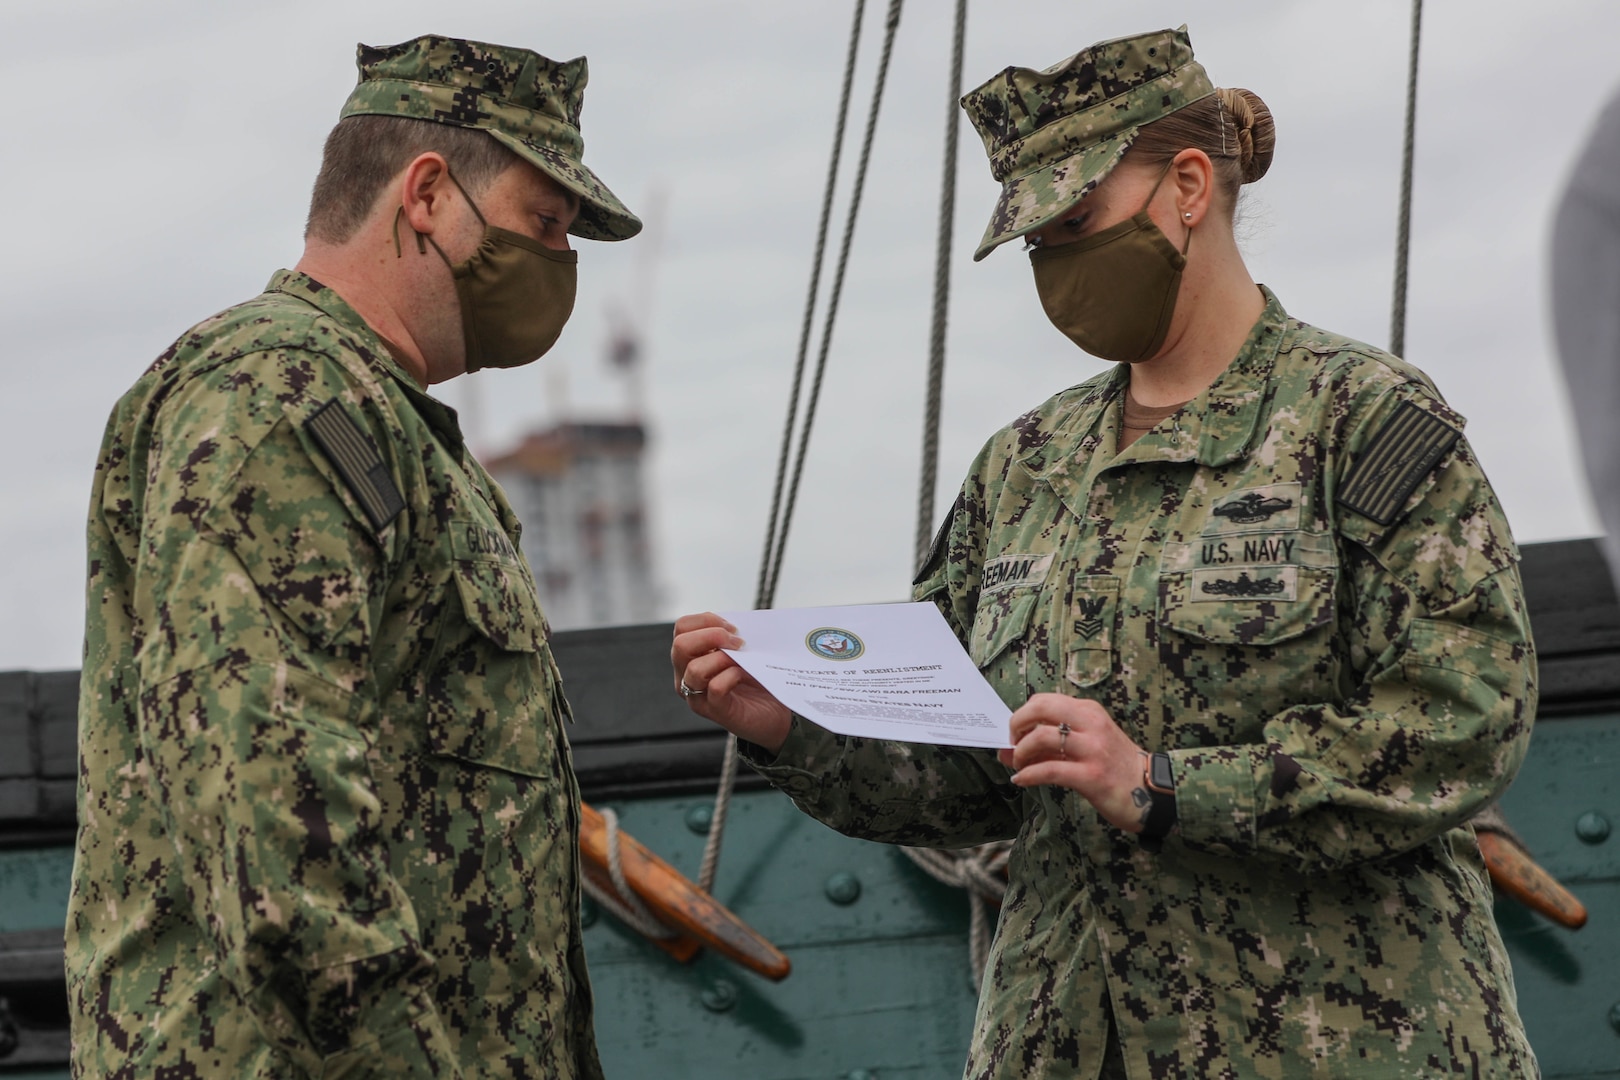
{"x": 500, "y": 605}
{"x": 1248, "y": 605}
{"x": 1240, "y": 645}
{"x": 496, "y": 680}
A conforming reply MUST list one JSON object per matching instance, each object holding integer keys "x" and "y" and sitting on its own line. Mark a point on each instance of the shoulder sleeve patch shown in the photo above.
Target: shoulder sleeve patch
{"x": 1395, "y": 461}
{"x": 357, "y": 461}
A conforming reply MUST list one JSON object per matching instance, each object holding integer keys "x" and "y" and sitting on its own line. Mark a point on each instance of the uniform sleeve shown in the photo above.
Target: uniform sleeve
{"x": 1435, "y": 654}
{"x": 260, "y": 590}
{"x": 893, "y": 792}
{"x": 907, "y": 793}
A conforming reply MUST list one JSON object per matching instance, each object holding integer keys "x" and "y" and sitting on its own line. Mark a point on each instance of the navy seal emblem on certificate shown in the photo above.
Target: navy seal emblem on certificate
{"x": 833, "y": 643}
{"x": 911, "y": 679}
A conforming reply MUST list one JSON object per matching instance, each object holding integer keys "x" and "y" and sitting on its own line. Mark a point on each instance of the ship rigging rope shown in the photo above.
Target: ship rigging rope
{"x": 791, "y": 496}
{"x": 942, "y": 296}
{"x": 766, "y": 587}
{"x": 1403, "y": 231}
{"x": 783, "y": 500}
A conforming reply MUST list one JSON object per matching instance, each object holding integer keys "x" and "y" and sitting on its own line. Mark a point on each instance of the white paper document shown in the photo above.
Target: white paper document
{"x": 878, "y": 671}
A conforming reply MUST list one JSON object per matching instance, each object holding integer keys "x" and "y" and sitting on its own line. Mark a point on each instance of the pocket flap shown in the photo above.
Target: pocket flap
{"x": 501, "y": 604}
{"x": 1449, "y": 659}
{"x": 495, "y": 698}
{"x": 1002, "y": 618}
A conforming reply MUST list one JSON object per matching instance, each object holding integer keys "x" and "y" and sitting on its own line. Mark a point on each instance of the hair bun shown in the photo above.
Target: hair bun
{"x": 1256, "y": 133}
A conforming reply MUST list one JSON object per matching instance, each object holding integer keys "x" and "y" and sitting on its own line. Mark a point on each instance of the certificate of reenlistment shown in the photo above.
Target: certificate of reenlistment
{"x": 877, "y": 671}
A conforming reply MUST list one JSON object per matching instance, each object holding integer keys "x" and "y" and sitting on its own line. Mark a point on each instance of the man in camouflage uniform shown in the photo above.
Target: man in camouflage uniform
{"x": 328, "y": 822}
{"x": 1302, "y": 592}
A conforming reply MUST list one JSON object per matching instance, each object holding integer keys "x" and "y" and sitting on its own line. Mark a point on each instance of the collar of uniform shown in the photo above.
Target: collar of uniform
{"x": 372, "y": 348}
{"x": 1217, "y": 427}
{"x": 1071, "y": 444}
{"x": 1229, "y": 414}
{"x": 1053, "y": 443}
{"x": 1066, "y": 442}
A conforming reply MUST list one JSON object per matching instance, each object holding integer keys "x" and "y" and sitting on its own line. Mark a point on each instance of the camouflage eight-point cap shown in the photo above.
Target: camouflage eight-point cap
{"x": 528, "y": 103}
{"x": 1053, "y": 135}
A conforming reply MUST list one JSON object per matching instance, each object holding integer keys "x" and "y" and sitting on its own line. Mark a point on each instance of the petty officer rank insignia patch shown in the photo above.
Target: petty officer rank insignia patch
{"x": 357, "y": 461}
{"x": 1395, "y": 461}
{"x": 1090, "y": 623}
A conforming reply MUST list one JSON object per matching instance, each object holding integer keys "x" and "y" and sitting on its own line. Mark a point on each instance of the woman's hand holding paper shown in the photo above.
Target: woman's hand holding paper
{"x": 717, "y": 689}
{"x": 1075, "y": 743}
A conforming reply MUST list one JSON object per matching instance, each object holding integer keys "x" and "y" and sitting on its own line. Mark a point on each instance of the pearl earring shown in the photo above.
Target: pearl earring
{"x": 1188, "y": 215}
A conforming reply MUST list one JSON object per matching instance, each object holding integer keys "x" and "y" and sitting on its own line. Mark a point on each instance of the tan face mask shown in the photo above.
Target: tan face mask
{"x": 1113, "y": 294}
{"x": 515, "y": 294}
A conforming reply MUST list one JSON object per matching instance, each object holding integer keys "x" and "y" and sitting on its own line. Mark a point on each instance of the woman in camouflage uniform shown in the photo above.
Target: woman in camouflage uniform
{"x": 1260, "y": 618}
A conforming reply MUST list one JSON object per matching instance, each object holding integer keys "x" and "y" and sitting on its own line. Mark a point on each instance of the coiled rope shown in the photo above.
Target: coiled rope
{"x": 982, "y": 871}
{"x": 622, "y": 900}
{"x": 1403, "y": 230}
{"x": 786, "y": 493}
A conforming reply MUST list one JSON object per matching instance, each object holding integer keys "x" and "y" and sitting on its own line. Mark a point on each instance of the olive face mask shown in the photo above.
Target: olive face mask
{"x": 1113, "y": 293}
{"x": 515, "y": 294}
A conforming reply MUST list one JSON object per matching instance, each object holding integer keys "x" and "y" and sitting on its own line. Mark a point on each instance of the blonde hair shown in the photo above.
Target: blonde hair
{"x": 1233, "y": 127}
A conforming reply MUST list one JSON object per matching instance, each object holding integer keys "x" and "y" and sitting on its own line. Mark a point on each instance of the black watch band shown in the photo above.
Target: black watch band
{"x": 1160, "y": 782}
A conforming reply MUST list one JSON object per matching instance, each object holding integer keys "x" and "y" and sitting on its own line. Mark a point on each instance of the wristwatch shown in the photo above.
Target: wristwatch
{"x": 1161, "y": 788}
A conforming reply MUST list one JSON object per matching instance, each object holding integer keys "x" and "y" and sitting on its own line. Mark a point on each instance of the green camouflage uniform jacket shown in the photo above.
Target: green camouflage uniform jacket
{"x": 328, "y": 822}
{"x": 1339, "y": 690}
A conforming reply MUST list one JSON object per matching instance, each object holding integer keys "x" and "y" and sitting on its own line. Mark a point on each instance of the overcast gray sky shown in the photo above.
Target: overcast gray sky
{"x": 158, "y": 166}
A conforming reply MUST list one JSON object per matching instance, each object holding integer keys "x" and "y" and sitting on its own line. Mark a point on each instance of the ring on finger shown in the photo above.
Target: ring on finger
{"x": 687, "y": 691}
{"x": 1063, "y": 738}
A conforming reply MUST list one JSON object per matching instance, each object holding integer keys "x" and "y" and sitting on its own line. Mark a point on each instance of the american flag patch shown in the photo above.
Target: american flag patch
{"x": 1395, "y": 461}
{"x": 357, "y": 461}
